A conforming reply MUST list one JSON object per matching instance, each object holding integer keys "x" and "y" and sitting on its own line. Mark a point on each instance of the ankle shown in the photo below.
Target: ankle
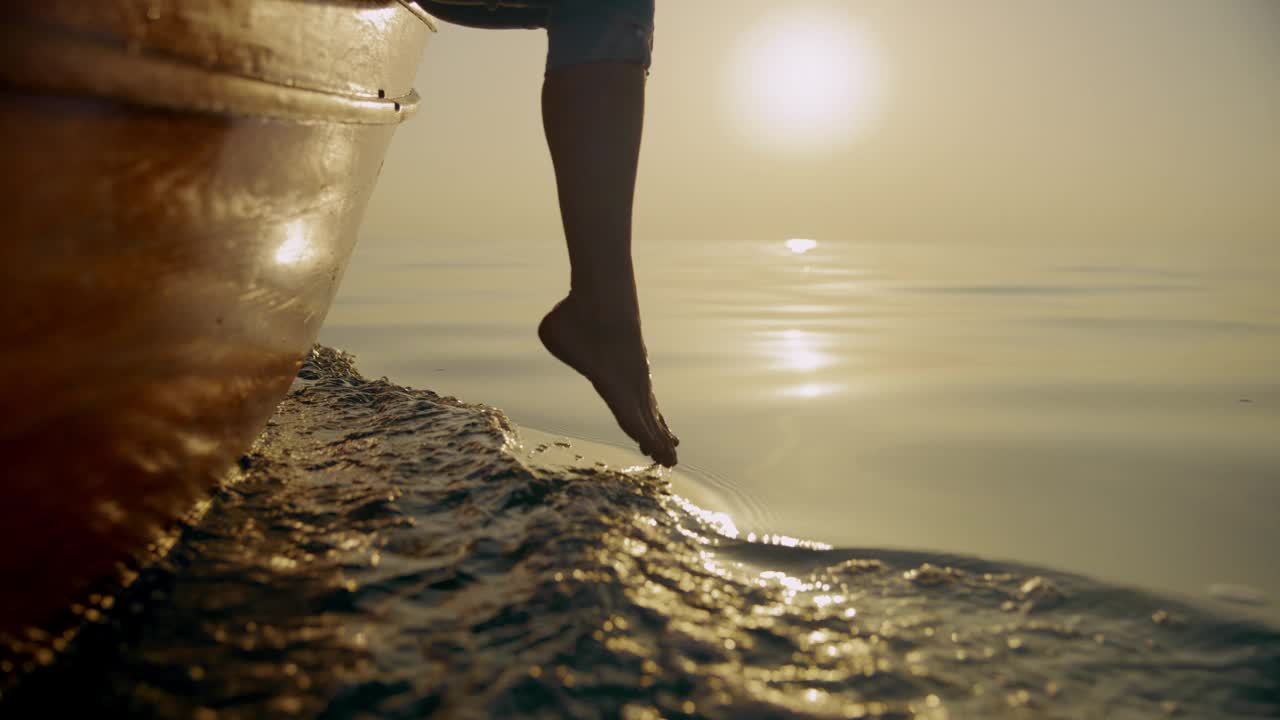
{"x": 602, "y": 314}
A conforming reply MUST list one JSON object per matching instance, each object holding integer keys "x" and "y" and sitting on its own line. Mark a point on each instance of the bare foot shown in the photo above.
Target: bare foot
{"x": 613, "y": 358}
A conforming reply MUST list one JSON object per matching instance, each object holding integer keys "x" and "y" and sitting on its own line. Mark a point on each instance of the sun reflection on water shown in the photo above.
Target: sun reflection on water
{"x": 798, "y": 347}
{"x": 811, "y": 390}
{"x": 799, "y": 350}
{"x": 801, "y": 246}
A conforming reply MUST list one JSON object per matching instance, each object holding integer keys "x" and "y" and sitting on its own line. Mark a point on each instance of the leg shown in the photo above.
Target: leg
{"x": 592, "y": 111}
{"x": 478, "y": 14}
{"x": 593, "y": 116}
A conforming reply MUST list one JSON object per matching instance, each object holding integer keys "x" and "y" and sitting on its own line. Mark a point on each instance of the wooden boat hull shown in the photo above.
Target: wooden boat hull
{"x": 176, "y": 225}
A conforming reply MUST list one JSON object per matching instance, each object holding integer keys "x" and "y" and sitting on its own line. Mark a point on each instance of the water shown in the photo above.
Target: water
{"x": 386, "y": 552}
{"x": 1105, "y": 406}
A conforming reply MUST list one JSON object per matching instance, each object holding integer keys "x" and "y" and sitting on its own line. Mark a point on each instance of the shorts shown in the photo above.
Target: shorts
{"x": 578, "y": 31}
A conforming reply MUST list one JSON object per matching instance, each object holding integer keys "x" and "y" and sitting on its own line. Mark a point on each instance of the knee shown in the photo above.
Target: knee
{"x": 581, "y": 31}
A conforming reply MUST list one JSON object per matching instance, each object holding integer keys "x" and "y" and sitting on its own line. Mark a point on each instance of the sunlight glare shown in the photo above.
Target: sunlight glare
{"x": 798, "y": 351}
{"x": 809, "y": 391}
{"x": 804, "y": 77}
{"x": 800, "y": 246}
{"x": 296, "y": 246}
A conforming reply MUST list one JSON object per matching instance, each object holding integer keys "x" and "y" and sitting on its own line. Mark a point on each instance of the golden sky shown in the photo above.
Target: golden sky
{"x": 1146, "y": 122}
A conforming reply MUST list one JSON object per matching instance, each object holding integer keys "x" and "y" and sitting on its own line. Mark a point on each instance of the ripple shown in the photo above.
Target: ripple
{"x": 387, "y": 552}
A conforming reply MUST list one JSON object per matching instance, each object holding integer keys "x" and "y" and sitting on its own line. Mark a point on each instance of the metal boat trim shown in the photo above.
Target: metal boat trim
{"x": 421, "y": 14}
{"x": 55, "y": 63}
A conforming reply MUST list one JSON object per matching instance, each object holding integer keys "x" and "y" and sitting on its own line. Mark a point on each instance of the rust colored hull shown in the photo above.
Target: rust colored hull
{"x": 183, "y": 182}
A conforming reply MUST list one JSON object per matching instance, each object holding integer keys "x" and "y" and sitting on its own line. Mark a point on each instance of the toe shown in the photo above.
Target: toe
{"x": 652, "y": 444}
{"x": 664, "y": 450}
{"x": 666, "y": 456}
{"x": 662, "y": 420}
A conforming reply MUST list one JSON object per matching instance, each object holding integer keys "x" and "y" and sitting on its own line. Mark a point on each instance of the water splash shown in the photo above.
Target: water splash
{"x": 387, "y": 552}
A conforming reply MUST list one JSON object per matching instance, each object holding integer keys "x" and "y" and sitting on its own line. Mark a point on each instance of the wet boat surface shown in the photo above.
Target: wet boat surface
{"x": 184, "y": 185}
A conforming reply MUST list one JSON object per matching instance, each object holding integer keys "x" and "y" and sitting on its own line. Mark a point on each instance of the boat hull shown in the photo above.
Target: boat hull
{"x": 168, "y": 256}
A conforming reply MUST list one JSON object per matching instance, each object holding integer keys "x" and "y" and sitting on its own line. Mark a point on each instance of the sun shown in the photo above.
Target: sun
{"x": 803, "y": 78}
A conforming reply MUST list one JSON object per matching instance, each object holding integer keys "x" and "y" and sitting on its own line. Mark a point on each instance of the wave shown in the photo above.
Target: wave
{"x": 388, "y": 552}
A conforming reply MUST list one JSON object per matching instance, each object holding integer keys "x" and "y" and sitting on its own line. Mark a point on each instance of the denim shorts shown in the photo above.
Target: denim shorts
{"x": 578, "y": 31}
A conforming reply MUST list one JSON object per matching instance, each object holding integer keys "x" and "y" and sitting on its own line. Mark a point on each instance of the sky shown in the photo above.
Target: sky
{"x": 1144, "y": 123}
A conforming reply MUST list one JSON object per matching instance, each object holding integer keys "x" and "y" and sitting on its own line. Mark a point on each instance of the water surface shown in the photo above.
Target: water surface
{"x": 386, "y": 552}
{"x": 1105, "y": 408}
